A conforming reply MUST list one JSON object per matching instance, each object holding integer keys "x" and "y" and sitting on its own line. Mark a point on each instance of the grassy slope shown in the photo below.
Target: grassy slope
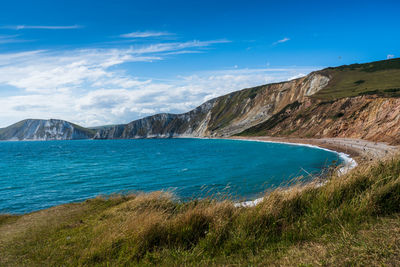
{"x": 380, "y": 77}
{"x": 352, "y": 220}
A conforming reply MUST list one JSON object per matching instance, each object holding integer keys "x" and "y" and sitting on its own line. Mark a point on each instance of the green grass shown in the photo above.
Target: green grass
{"x": 381, "y": 78}
{"x": 351, "y": 220}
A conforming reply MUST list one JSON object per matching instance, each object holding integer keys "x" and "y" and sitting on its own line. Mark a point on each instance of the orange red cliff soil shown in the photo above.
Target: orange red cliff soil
{"x": 370, "y": 118}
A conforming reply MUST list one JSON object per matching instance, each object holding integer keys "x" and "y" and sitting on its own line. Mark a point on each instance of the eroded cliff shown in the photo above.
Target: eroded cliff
{"x": 371, "y": 118}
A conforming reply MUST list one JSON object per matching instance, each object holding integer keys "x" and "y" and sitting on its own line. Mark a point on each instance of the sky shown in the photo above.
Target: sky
{"x": 107, "y": 62}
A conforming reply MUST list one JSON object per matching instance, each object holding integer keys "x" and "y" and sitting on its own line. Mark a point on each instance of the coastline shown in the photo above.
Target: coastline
{"x": 357, "y": 149}
{"x": 350, "y": 163}
{"x": 349, "y": 150}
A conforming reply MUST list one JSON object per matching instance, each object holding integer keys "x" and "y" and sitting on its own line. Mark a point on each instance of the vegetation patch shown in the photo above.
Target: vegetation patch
{"x": 359, "y": 82}
{"x": 360, "y": 79}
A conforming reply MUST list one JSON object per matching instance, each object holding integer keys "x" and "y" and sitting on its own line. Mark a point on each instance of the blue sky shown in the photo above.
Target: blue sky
{"x": 106, "y": 62}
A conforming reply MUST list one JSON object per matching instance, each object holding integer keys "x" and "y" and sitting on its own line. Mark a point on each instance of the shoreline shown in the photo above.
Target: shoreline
{"x": 358, "y": 149}
{"x": 347, "y": 149}
{"x": 350, "y": 163}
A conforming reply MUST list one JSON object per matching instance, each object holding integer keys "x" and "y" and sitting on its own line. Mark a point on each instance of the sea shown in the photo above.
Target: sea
{"x": 35, "y": 175}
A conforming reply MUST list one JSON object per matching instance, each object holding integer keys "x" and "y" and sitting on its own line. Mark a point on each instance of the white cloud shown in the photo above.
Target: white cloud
{"x": 7, "y": 39}
{"x": 170, "y": 47}
{"x": 41, "y": 27}
{"x": 48, "y": 72}
{"x": 90, "y": 87}
{"x": 297, "y": 76}
{"x": 145, "y": 34}
{"x": 284, "y": 40}
{"x": 389, "y": 56}
{"x": 184, "y": 52}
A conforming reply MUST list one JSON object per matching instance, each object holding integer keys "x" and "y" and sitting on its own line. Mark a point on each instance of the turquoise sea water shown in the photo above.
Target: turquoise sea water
{"x": 37, "y": 175}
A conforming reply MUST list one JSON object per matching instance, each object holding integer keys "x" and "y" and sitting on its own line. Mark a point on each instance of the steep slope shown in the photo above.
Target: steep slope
{"x": 366, "y": 117}
{"x": 360, "y": 101}
{"x": 161, "y": 125}
{"x": 52, "y": 129}
{"x": 222, "y": 116}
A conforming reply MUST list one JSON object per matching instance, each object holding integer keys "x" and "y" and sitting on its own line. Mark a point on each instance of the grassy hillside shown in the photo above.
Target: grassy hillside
{"x": 351, "y": 220}
{"x": 380, "y": 77}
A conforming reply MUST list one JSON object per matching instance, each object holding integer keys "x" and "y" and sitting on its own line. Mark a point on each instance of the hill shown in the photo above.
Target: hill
{"x": 360, "y": 101}
{"x": 321, "y": 104}
{"x": 52, "y": 129}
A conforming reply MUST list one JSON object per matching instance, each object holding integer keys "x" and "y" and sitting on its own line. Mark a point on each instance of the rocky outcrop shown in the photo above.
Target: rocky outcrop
{"x": 45, "y": 130}
{"x": 222, "y": 116}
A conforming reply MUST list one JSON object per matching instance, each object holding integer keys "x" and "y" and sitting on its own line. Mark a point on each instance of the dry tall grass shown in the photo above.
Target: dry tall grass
{"x": 301, "y": 225}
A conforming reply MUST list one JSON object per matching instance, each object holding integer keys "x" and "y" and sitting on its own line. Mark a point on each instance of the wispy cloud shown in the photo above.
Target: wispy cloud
{"x": 184, "y": 52}
{"x": 145, "y": 34}
{"x": 177, "y": 46}
{"x": 6, "y": 39}
{"x": 284, "y": 40}
{"x": 40, "y": 27}
{"x": 389, "y": 56}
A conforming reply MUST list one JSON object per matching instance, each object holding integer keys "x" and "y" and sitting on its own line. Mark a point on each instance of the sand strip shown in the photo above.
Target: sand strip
{"x": 360, "y": 150}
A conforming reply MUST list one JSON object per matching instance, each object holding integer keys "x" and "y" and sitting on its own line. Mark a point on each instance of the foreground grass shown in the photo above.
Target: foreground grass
{"x": 351, "y": 220}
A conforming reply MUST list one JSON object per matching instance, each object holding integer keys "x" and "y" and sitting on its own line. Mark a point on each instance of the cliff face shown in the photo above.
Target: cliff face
{"x": 222, "y": 116}
{"x": 44, "y": 130}
{"x": 190, "y": 124}
{"x": 367, "y": 117}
